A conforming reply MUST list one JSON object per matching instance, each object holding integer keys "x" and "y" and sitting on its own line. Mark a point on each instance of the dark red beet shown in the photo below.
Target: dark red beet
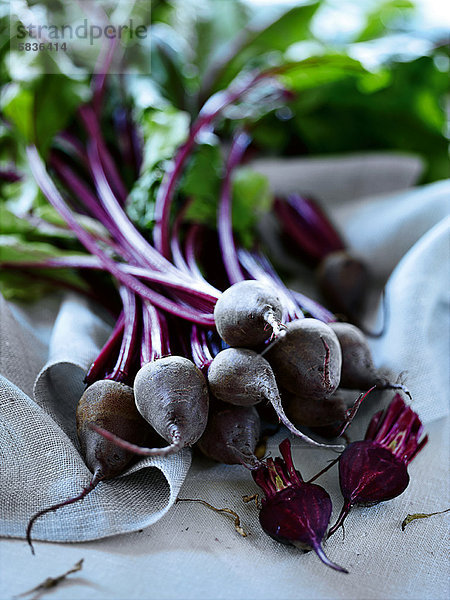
{"x": 358, "y": 371}
{"x": 243, "y": 377}
{"x": 293, "y": 512}
{"x": 240, "y": 376}
{"x": 310, "y": 412}
{"x": 247, "y": 314}
{"x": 328, "y": 417}
{"x": 375, "y": 469}
{"x": 110, "y": 405}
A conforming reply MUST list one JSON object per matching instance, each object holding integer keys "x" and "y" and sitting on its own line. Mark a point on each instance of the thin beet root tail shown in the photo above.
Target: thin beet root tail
{"x": 249, "y": 461}
{"x": 326, "y": 561}
{"x": 396, "y": 386}
{"x": 172, "y": 448}
{"x": 276, "y": 403}
{"x": 324, "y": 470}
{"x": 353, "y": 410}
{"x": 342, "y": 516}
{"x": 93, "y": 483}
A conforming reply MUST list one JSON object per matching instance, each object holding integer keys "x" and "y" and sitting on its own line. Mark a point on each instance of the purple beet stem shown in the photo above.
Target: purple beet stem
{"x": 98, "y": 368}
{"x": 92, "y": 262}
{"x": 224, "y": 217}
{"x": 155, "y": 336}
{"x": 55, "y": 198}
{"x": 121, "y": 370}
{"x": 211, "y": 109}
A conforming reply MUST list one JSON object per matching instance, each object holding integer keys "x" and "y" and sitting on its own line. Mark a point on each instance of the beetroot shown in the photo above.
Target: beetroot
{"x": 172, "y": 395}
{"x": 358, "y": 370}
{"x": 247, "y": 314}
{"x": 231, "y": 434}
{"x": 293, "y": 512}
{"x": 240, "y": 376}
{"x": 375, "y": 469}
{"x": 344, "y": 281}
{"x": 109, "y": 404}
{"x": 307, "y": 360}
{"x": 312, "y": 412}
{"x": 243, "y": 377}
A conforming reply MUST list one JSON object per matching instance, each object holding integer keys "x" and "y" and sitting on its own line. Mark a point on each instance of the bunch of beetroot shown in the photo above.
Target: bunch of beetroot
{"x": 190, "y": 364}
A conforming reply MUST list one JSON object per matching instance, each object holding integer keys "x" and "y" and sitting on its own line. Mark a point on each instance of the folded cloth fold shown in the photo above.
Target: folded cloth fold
{"x": 40, "y": 463}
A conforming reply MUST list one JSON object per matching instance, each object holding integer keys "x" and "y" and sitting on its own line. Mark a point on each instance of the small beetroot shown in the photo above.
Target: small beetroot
{"x": 293, "y": 512}
{"x": 375, "y": 469}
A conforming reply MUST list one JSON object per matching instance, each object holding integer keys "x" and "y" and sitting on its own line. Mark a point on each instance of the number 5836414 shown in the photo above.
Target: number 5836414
{"x": 40, "y": 46}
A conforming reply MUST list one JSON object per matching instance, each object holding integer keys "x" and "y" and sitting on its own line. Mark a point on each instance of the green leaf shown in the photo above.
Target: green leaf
{"x": 384, "y": 18}
{"x": 251, "y": 195}
{"x": 291, "y": 27}
{"x": 41, "y": 108}
{"x": 15, "y": 248}
{"x": 11, "y": 224}
{"x": 201, "y": 184}
{"x": 16, "y": 287}
{"x": 164, "y": 130}
{"x": 251, "y": 199}
{"x": 56, "y": 98}
{"x": 318, "y": 70}
{"x": 161, "y": 10}
{"x": 168, "y": 65}
{"x": 219, "y": 22}
{"x": 201, "y": 179}
{"x": 373, "y": 82}
{"x": 405, "y": 113}
{"x": 261, "y": 40}
{"x": 20, "y": 197}
{"x": 31, "y": 284}
{"x": 17, "y": 105}
{"x": 141, "y": 200}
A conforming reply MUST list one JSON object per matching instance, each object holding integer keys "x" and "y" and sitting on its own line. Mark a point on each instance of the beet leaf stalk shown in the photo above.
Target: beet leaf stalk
{"x": 224, "y": 216}
{"x": 209, "y": 112}
{"x": 197, "y": 297}
{"x": 313, "y": 308}
{"x": 201, "y": 353}
{"x": 99, "y": 367}
{"x": 306, "y": 223}
{"x": 54, "y": 197}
